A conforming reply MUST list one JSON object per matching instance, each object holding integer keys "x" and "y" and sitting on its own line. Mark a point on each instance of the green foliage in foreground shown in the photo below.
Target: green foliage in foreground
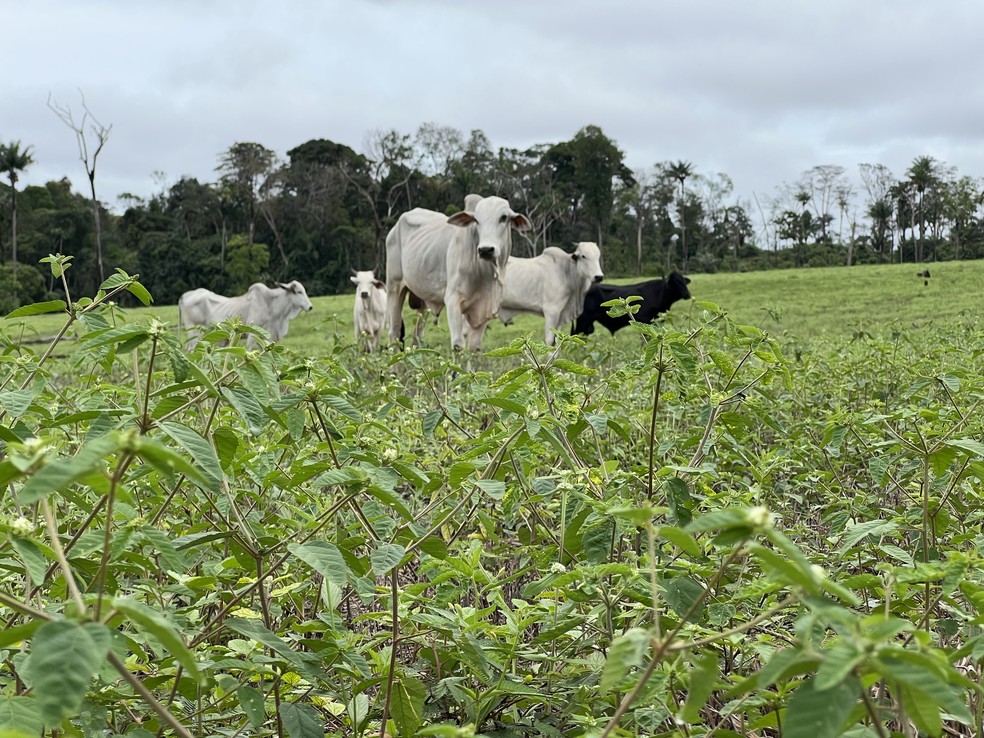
{"x": 683, "y": 534}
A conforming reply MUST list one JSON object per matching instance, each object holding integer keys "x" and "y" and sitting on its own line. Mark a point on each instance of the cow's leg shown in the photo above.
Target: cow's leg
{"x": 456, "y": 322}
{"x": 395, "y": 292}
{"x": 376, "y": 334}
{"x": 551, "y": 321}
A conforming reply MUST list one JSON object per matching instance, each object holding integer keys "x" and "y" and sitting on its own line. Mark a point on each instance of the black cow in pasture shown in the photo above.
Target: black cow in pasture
{"x": 657, "y": 297}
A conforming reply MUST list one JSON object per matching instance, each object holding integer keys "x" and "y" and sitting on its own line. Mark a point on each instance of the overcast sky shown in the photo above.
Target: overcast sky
{"x": 761, "y": 91}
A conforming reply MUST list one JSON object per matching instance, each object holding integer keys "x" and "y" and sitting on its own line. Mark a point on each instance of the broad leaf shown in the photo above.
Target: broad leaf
{"x": 325, "y": 558}
{"x": 64, "y": 658}
{"x": 385, "y": 556}
{"x": 301, "y": 721}
{"x": 815, "y": 713}
{"x": 407, "y": 705}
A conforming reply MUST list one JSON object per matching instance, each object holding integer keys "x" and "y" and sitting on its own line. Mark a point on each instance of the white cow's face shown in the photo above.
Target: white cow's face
{"x": 493, "y": 218}
{"x": 365, "y": 283}
{"x": 587, "y": 255}
{"x": 297, "y": 295}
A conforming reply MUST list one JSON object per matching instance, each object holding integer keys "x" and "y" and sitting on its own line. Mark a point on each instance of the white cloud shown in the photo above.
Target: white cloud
{"x": 759, "y": 90}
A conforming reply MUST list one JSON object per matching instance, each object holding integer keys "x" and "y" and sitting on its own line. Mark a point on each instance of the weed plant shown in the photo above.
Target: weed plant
{"x": 697, "y": 528}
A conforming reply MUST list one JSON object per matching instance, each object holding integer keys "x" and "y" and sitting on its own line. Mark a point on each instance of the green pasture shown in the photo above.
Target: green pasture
{"x": 800, "y": 304}
{"x": 765, "y": 519}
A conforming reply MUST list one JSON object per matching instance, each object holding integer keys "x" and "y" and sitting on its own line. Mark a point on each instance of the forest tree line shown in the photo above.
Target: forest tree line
{"x": 326, "y": 209}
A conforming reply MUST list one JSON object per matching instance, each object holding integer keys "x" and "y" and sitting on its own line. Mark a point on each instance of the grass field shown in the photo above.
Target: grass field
{"x": 765, "y": 519}
{"x": 801, "y": 305}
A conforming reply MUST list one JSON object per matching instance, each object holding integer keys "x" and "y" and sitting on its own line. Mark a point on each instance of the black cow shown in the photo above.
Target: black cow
{"x": 657, "y": 297}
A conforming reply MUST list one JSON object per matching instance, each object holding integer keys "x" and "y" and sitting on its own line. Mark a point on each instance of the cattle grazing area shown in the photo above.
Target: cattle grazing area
{"x": 759, "y": 515}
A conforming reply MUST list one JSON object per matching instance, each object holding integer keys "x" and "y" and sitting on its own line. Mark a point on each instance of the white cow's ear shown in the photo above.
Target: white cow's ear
{"x": 461, "y": 219}
{"x": 575, "y": 256}
{"x": 521, "y": 223}
{"x": 354, "y": 280}
{"x": 379, "y": 285}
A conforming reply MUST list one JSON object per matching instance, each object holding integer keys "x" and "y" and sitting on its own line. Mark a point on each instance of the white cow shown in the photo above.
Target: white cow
{"x": 457, "y": 262}
{"x": 262, "y": 306}
{"x": 552, "y": 284}
{"x": 369, "y": 314}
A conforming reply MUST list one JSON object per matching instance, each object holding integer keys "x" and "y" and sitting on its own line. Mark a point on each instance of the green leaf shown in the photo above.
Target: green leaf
{"x": 120, "y": 334}
{"x": 975, "y": 448}
{"x": 150, "y": 621}
{"x": 574, "y": 368}
{"x": 625, "y": 653}
{"x": 407, "y": 705}
{"x": 64, "y": 658}
{"x": 20, "y": 714}
{"x": 325, "y": 558}
{"x": 57, "y": 475}
{"x": 700, "y": 685}
{"x": 343, "y": 406}
{"x": 815, "y": 713}
{"x": 169, "y": 461}
{"x": 494, "y": 488}
{"x": 251, "y": 700}
{"x": 38, "y": 308}
{"x": 783, "y": 568}
{"x": 16, "y": 402}
{"x": 16, "y": 634}
{"x": 684, "y": 355}
{"x": 140, "y": 292}
{"x": 385, "y": 556}
{"x": 33, "y": 557}
{"x": 681, "y": 593}
{"x": 434, "y": 546}
{"x": 918, "y": 672}
{"x": 248, "y": 408}
{"x": 838, "y": 663}
{"x": 856, "y": 532}
{"x": 301, "y": 721}
{"x": 460, "y": 471}
{"x": 923, "y": 710}
{"x": 198, "y": 448}
{"x": 681, "y": 539}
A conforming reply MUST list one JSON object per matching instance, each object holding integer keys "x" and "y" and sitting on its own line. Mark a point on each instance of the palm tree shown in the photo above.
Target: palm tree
{"x": 880, "y": 212}
{"x": 922, "y": 176}
{"x": 680, "y": 171}
{"x": 803, "y": 198}
{"x": 13, "y": 160}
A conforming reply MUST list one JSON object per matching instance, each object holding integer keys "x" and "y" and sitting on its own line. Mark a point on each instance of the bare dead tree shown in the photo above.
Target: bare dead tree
{"x": 89, "y": 150}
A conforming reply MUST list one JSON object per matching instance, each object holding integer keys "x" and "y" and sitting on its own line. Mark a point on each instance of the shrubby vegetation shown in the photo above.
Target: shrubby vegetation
{"x": 693, "y": 533}
{"x": 326, "y": 208}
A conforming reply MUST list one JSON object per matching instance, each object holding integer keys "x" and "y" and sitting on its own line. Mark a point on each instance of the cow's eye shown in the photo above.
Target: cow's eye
{"x": 503, "y": 218}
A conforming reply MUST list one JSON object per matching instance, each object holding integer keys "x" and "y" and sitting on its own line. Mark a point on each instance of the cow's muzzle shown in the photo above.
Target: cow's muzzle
{"x": 486, "y": 252}
{"x": 598, "y": 278}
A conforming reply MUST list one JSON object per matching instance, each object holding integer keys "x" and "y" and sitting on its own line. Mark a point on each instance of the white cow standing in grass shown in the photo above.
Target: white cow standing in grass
{"x": 552, "y": 284}
{"x": 369, "y": 314}
{"x": 269, "y": 308}
{"x": 457, "y": 263}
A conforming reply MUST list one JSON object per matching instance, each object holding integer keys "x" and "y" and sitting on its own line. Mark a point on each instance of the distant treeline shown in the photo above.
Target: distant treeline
{"x": 327, "y": 208}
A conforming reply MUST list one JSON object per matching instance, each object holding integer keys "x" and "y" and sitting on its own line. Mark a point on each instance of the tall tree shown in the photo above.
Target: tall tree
{"x": 922, "y": 176}
{"x": 803, "y": 198}
{"x": 822, "y": 183}
{"x": 245, "y": 167}
{"x": 89, "y": 151}
{"x": 13, "y": 161}
{"x": 680, "y": 171}
{"x": 585, "y": 168}
{"x": 649, "y": 199}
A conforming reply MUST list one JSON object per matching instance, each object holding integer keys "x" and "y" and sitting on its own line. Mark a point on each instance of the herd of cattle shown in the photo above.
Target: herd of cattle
{"x": 461, "y": 264}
